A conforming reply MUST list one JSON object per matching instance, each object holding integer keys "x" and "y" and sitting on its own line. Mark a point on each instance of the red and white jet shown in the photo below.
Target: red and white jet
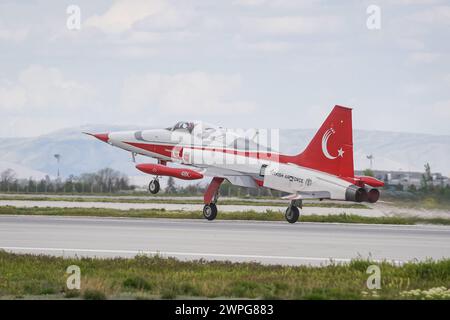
{"x": 324, "y": 170}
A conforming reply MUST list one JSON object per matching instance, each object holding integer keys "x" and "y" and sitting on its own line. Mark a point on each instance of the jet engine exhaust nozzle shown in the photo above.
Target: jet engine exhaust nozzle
{"x": 373, "y": 195}
{"x": 356, "y": 194}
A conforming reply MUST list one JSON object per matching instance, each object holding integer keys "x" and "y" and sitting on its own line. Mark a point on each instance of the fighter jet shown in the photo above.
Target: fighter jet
{"x": 193, "y": 150}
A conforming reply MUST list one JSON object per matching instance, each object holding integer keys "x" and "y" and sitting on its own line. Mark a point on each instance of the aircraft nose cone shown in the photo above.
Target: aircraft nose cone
{"x": 100, "y": 136}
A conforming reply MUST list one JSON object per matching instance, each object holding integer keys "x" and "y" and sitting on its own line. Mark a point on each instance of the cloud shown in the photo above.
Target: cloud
{"x": 270, "y": 46}
{"x": 413, "y": 2}
{"x": 414, "y": 89}
{"x": 442, "y": 110}
{"x": 263, "y": 46}
{"x": 291, "y": 25}
{"x": 423, "y": 57}
{"x": 123, "y": 15}
{"x": 195, "y": 93}
{"x": 249, "y": 2}
{"x": 14, "y": 35}
{"x": 42, "y": 99}
{"x": 12, "y": 96}
{"x": 409, "y": 43}
{"x": 292, "y": 54}
{"x": 435, "y": 15}
{"x": 40, "y": 88}
{"x": 275, "y": 3}
{"x": 446, "y": 79}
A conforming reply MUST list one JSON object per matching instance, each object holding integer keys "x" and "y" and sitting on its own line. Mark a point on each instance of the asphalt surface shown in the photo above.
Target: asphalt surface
{"x": 265, "y": 242}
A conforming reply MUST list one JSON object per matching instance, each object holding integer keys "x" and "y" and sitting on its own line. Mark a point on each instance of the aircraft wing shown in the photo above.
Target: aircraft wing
{"x": 242, "y": 181}
{"x": 235, "y": 177}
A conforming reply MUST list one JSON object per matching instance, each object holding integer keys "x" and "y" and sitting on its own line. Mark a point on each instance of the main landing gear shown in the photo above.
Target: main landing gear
{"x": 154, "y": 186}
{"x": 212, "y": 194}
{"x": 210, "y": 199}
{"x": 210, "y": 211}
{"x": 292, "y": 212}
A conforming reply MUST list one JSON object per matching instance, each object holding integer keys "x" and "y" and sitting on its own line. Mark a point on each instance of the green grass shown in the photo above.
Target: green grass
{"x": 154, "y": 277}
{"x": 268, "y": 215}
{"x": 223, "y": 201}
{"x": 93, "y": 294}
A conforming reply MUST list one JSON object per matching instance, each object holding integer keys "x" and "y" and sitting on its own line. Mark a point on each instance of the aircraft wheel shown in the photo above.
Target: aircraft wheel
{"x": 210, "y": 211}
{"x": 292, "y": 214}
{"x": 154, "y": 187}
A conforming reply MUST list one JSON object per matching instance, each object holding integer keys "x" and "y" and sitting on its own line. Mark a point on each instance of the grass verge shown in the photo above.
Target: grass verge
{"x": 145, "y": 277}
{"x": 426, "y": 203}
{"x": 247, "y": 215}
{"x": 223, "y": 201}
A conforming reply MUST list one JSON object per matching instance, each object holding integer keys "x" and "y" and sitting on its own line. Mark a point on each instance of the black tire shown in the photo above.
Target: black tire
{"x": 210, "y": 211}
{"x": 292, "y": 214}
{"x": 154, "y": 187}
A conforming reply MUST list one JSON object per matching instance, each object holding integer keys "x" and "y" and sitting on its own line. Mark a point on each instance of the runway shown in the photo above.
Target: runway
{"x": 265, "y": 242}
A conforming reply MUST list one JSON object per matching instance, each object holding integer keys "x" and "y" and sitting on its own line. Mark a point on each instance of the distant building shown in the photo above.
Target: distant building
{"x": 406, "y": 178}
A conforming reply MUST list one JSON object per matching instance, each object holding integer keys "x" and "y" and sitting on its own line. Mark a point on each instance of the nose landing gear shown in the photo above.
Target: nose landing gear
{"x": 292, "y": 212}
{"x": 154, "y": 186}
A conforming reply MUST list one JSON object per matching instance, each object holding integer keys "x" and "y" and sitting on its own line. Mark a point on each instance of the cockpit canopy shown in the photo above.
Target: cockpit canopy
{"x": 212, "y": 135}
{"x": 183, "y": 126}
{"x": 199, "y": 129}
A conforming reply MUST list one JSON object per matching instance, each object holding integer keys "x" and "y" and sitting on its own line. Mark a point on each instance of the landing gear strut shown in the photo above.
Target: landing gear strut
{"x": 292, "y": 212}
{"x": 154, "y": 187}
{"x": 210, "y": 199}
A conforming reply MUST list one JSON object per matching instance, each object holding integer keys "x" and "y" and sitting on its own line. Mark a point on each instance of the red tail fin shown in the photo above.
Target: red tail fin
{"x": 331, "y": 149}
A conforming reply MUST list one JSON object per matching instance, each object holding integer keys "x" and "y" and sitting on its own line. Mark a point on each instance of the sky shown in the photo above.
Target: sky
{"x": 235, "y": 63}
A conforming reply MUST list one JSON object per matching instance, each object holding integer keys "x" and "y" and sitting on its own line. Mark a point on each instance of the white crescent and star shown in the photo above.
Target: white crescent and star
{"x": 325, "y": 151}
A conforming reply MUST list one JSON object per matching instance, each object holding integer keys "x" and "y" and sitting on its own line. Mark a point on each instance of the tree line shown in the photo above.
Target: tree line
{"x": 108, "y": 180}
{"x": 103, "y": 181}
{"x": 111, "y": 181}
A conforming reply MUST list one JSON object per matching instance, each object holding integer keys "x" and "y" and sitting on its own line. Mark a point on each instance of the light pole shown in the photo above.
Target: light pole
{"x": 370, "y": 157}
{"x": 58, "y": 159}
